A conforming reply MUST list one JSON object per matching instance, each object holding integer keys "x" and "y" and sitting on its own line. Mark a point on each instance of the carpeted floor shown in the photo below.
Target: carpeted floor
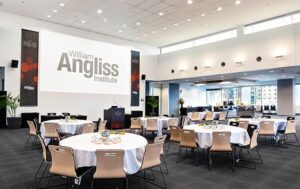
{"x": 281, "y": 169}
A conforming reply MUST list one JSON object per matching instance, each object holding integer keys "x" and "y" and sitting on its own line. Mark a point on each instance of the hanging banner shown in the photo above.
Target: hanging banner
{"x": 29, "y": 68}
{"x": 135, "y": 78}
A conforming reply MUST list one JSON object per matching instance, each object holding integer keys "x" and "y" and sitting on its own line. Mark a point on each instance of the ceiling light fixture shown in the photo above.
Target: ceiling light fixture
{"x": 272, "y": 71}
{"x": 160, "y": 13}
{"x": 219, "y": 8}
{"x": 99, "y": 11}
{"x": 145, "y": 35}
{"x": 175, "y": 24}
{"x": 279, "y": 57}
{"x": 190, "y": 2}
{"x": 203, "y": 14}
{"x": 239, "y": 63}
{"x": 188, "y": 19}
{"x": 207, "y": 67}
{"x": 61, "y": 4}
{"x": 55, "y": 11}
{"x": 237, "y": 2}
{"x": 165, "y": 28}
{"x": 154, "y": 32}
{"x": 124, "y": 25}
{"x": 120, "y": 31}
{"x": 83, "y": 21}
{"x": 49, "y": 16}
{"x": 138, "y": 23}
{"x": 105, "y": 20}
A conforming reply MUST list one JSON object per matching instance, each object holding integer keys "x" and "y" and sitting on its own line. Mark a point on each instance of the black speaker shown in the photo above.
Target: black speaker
{"x": 143, "y": 77}
{"x": 14, "y": 63}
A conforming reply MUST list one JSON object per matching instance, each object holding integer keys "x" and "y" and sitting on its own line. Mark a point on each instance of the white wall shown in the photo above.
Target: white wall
{"x": 245, "y": 48}
{"x": 87, "y": 104}
{"x": 165, "y": 99}
{"x": 193, "y": 96}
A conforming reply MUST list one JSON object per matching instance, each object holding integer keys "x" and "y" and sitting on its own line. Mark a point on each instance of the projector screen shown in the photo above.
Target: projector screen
{"x": 76, "y": 65}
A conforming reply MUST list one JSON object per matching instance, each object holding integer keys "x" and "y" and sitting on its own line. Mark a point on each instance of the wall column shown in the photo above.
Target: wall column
{"x": 285, "y": 97}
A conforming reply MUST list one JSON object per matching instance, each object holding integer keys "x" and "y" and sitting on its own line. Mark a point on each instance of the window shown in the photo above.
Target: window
{"x": 214, "y": 97}
{"x": 297, "y": 95}
{"x": 269, "y": 95}
{"x": 177, "y": 47}
{"x": 251, "y": 95}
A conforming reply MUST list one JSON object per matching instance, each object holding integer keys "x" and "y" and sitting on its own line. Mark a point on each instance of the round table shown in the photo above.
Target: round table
{"x": 85, "y": 156}
{"x": 70, "y": 127}
{"x": 239, "y": 136}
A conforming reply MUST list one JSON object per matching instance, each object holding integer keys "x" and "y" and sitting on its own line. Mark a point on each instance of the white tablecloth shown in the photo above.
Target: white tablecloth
{"x": 202, "y": 115}
{"x": 162, "y": 122}
{"x": 279, "y": 124}
{"x": 204, "y": 134}
{"x": 85, "y": 156}
{"x": 71, "y": 127}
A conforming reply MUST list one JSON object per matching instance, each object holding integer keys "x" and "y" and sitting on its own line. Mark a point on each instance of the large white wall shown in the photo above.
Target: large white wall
{"x": 245, "y": 48}
{"x": 86, "y": 104}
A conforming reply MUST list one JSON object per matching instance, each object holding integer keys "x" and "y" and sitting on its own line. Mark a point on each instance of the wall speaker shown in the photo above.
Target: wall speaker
{"x": 258, "y": 59}
{"x": 143, "y": 77}
{"x": 223, "y": 64}
{"x": 14, "y": 63}
{"x": 172, "y": 71}
{"x": 196, "y": 68}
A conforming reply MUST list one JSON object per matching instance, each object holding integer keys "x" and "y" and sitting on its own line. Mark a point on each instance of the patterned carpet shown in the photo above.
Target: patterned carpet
{"x": 281, "y": 169}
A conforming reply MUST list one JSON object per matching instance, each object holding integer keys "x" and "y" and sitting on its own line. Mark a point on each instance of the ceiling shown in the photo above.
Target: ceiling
{"x": 140, "y": 20}
{"x": 259, "y": 77}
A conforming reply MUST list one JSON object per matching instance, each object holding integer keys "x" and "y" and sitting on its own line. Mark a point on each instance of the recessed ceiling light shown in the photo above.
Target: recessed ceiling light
{"x": 245, "y": 74}
{"x": 55, "y": 11}
{"x": 272, "y": 71}
{"x": 138, "y": 23}
{"x": 49, "y": 16}
{"x": 124, "y": 25}
{"x": 237, "y": 2}
{"x": 136, "y": 38}
{"x": 145, "y": 35}
{"x": 222, "y": 75}
{"x": 219, "y": 8}
{"x": 83, "y": 21}
{"x": 154, "y": 32}
{"x": 160, "y": 13}
{"x": 61, "y": 4}
{"x": 175, "y": 24}
{"x": 99, "y": 11}
{"x": 203, "y": 14}
{"x": 283, "y": 75}
{"x": 186, "y": 80}
{"x": 165, "y": 28}
{"x": 190, "y": 2}
{"x": 105, "y": 20}
{"x": 120, "y": 31}
{"x": 189, "y": 20}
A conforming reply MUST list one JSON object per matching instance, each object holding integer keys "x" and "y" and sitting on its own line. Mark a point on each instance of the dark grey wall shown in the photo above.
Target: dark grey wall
{"x": 285, "y": 97}
{"x": 173, "y": 99}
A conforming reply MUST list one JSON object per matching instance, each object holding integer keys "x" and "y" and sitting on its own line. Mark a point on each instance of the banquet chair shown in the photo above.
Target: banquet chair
{"x": 151, "y": 125}
{"x": 209, "y": 116}
{"x": 290, "y": 129}
{"x": 45, "y": 161}
{"x": 187, "y": 140}
{"x": 249, "y": 148}
{"x": 136, "y": 126}
{"x": 32, "y": 133}
{"x": 51, "y": 114}
{"x": 222, "y": 117}
{"x": 36, "y": 123}
{"x": 251, "y": 128}
{"x": 243, "y": 124}
{"x": 195, "y": 117}
{"x": 266, "y": 128}
{"x": 63, "y": 164}
{"x": 162, "y": 154}
{"x": 221, "y": 144}
{"x": 88, "y": 128}
{"x": 266, "y": 117}
{"x": 290, "y": 118}
{"x": 110, "y": 165}
{"x": 65, "y": 114}
{"x": 173, "y": 122}
{"x": 151, "y": 160}
{"x": 174, "y": 137}
{"x": 234, "y": 123}
{"x": 51, "y": 131}
{"x": 102, "y": 126}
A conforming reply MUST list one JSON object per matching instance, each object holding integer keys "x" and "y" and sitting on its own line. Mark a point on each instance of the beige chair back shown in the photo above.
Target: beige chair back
{"x": 135, "y": 123}
{"x": 62, "y": 161}
{"x": 161, "y": 139}
{"x": 44, "y": 150}
{"x": 110, "y": 164}
{"x": 32, "y": 128}
{"x": 221, "y": 142}
{"x": 188, "y": 139}
{"x": 88, "y": 128}
{"x": 222, "y": 116}
{"x": 102, "y": 125}
{"x": 151, "y": 125}
{"x": 175, "y": 134}
{"x": 51, "y": 130}
{"x": 152, "y": 155}
{"x": 209, "y": 116}
{"x": 243, "y": 124}
{"x": 266, "y": 128}
{"x": 195, "y": 116}
{"x": 172, "y": 122}
{"x": 253, "y": 142}
{"x": 290, "y": 127}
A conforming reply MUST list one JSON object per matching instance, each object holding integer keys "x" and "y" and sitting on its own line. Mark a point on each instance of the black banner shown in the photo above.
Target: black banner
{"x": 135, "y": 78}
{"x": 29, "y": 68}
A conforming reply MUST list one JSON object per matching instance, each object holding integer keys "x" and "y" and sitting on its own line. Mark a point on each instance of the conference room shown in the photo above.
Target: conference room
{"x": 149, "y": 94}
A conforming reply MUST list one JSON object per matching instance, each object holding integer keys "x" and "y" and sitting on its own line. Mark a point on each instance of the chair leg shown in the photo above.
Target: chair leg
{"x": 209, "y": 159}
{"x": 179, "y": 154}
{"x": 27, "y": 140}
{"x": 259, "y": 156}
{"x": 141, "y": 179}
{"x": 297, "y": 140}
{"x": 165, "y": 164}
{"x": 251, "y": 160}
{"x": 163, "y": 177}
{"x": 168, "y": 148}
{"x": 38, "y": 170}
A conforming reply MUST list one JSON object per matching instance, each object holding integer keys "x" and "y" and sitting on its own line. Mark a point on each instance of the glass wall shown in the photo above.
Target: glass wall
{"x": 214, "y": 97}
{"x": 297, "y": 94}
{"x": 251, "y": 95}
